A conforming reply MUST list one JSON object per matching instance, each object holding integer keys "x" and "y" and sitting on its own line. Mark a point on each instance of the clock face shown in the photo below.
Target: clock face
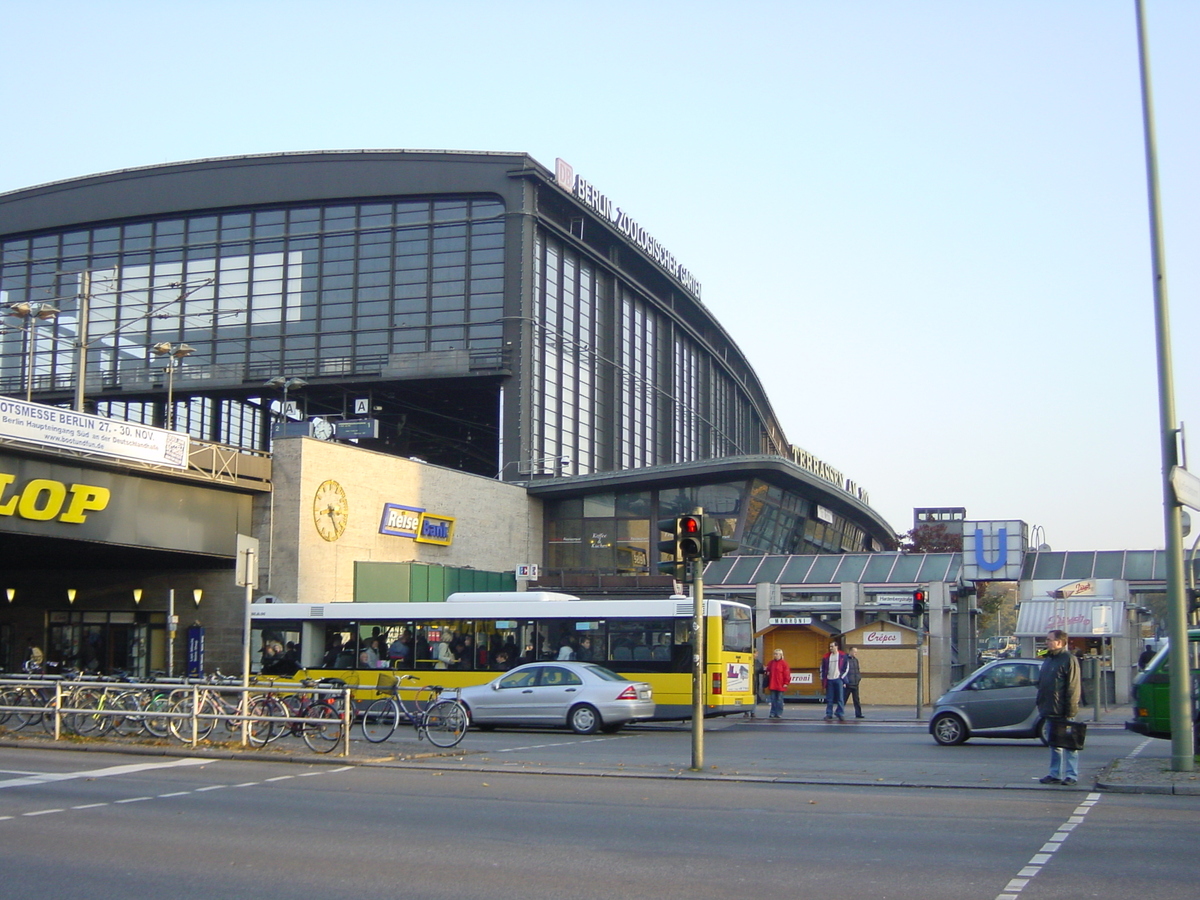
{"x": 321, "y": 429}
{"x": 330, "y": 510}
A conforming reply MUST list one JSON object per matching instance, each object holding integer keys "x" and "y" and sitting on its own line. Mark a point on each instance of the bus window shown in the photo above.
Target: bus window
{"x": 737, "y": 632}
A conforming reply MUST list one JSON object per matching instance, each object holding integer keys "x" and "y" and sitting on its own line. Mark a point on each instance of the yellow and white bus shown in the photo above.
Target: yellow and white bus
{"x": 470, "y": 637}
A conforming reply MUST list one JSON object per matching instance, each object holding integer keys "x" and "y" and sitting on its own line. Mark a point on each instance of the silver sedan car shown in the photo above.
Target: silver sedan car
{"x": 998, "y": 700}
{"x": 582, "y": 696}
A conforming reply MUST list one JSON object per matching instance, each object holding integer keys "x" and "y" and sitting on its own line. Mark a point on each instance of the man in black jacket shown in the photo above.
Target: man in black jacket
{"x": 1058, "y": 698}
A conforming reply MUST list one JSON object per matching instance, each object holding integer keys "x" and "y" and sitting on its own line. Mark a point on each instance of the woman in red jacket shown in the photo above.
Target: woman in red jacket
{"x": 779, "y": 676}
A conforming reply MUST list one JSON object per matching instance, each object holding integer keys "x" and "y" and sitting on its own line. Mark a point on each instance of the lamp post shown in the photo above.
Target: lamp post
{"x": 43, "y": 312}
{"x": 176, "y": 352}
{"x": 284, "y": 383}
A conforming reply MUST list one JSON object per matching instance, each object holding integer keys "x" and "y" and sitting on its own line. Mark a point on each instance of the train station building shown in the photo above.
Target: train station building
{"x": 359, "y": 374}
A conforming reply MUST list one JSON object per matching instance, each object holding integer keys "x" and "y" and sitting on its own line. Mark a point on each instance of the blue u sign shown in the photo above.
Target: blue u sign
{"x": 1001, "y": 557}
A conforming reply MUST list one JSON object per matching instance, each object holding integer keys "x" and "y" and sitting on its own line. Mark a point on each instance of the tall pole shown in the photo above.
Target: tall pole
{"x": 1182, "y": 741}
{"x": 85, "y": 295}
{"x": 172, "y": 625}
{"x": 171, "y": 393}
{"x": 250, "y": 582}
{"x": 698, "y": 657}
{"x": 30, "y": 331}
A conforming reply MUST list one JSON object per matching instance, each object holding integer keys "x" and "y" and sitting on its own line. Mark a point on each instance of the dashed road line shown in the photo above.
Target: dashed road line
{"x": 166, "y": 796}
{"x": 1031, "y": 869}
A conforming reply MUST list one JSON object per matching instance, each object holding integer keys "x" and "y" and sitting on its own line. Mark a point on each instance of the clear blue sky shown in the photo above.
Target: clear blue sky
{"x": 924, "y": 222}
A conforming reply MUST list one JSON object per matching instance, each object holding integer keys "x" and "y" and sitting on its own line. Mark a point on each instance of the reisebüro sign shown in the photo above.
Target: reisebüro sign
{"x": 53, "y": 426}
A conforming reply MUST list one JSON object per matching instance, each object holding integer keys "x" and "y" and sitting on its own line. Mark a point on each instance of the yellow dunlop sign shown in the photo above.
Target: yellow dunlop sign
{"x": 43, "y": 499}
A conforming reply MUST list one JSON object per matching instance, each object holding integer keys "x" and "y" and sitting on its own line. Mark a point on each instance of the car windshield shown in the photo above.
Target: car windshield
{"x": 607, "y": 675}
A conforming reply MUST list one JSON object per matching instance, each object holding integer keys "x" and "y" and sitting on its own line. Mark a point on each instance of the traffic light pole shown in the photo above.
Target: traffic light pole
{"x": 698, "y": 658}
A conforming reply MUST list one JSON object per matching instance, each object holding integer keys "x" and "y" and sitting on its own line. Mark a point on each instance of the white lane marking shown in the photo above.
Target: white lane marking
{"x": 49, "y": 777}
{"x": 1031, "y": 869}
{"x": 199, "y": 790}
{"x": 1140, "y": 747}
{"x": 562, "y": 744}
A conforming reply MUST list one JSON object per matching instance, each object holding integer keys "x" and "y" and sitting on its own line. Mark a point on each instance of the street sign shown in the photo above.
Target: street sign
{"x": 1186, "y": 486}
{"x": 362, "y": 406}
{"x": 247, "y": 552}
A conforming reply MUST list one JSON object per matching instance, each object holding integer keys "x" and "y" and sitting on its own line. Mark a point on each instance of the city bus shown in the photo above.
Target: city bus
{"x": 1152, "y": 691}
{"x": 471, "y": 637}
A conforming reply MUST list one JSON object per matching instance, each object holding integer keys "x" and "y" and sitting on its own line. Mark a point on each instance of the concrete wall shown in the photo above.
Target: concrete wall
{"x": 497, "y": 525}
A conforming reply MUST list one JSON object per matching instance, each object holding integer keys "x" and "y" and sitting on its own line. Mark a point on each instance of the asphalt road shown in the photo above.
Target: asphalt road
{"x": 98, "y": 824}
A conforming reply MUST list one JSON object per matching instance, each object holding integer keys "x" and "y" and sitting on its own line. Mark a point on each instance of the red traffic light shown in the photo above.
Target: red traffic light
{"x": 689, "y": 525}
{"x": 920, "y": 597}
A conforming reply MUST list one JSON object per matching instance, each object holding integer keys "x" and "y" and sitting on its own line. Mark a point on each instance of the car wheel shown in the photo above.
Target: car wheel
{"x": 948, "y": 730}
{"x": 584, "y": 719}
{"x": 1043, "y": 732}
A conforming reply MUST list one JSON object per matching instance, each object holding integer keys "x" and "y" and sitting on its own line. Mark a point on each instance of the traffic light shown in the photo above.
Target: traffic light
{"x": 920, "y": 599}
{"x": 1193, "y": 601}
{"x": 691, "y": 537}
{"x": 716, "y": 546}
{"x": 686, "y": 543}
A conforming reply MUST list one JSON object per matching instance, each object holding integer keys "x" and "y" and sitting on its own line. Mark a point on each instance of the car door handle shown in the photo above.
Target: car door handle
{"x": 527, "y": 691}
{"x": 570, "y": 690}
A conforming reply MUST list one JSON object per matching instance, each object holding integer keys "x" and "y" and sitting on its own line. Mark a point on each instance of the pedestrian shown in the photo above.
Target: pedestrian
{"x": 779, "y": 676}
{"x": 833, "y": 673}
{"x": 1058, "y": 699}
{"x": 853, "y": 677}
{"x": 1144, "y": 659}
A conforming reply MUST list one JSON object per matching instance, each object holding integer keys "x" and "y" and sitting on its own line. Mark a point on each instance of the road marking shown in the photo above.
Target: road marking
{"x": 1031, "y": 869}
{"x": 117, "y": 770}
{"x": 47, "y": 778}
{"x": 620, "y": 737}
{"x": 1140, "y": 747}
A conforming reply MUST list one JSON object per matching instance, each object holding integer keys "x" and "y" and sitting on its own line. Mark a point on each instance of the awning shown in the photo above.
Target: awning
{"x": 1078, "y": 618}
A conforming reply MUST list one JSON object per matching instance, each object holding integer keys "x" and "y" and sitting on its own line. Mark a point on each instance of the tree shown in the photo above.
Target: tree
{"x": 997, "y": 607}
{"x": 930, "y": 537}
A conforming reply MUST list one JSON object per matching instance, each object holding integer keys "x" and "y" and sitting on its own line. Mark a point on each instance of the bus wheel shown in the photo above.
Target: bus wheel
{"x": 584, "y": 719}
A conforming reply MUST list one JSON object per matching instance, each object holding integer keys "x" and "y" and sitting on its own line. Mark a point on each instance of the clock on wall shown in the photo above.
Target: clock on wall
{"x": 330, "y": 510}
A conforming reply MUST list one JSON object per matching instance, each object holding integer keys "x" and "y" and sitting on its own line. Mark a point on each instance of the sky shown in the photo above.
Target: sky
{"x": 925, "y": 223}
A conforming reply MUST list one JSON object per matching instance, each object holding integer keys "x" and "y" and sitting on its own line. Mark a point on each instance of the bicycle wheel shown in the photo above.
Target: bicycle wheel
{"x": 322, "y": 727}
{"x": 90, "y": 720}
{"x": 181, "y": 725}
{"x": 424, "y": 699}
{"x": 129, "y": 721}
{"x": 445, "y": 723}
{"x": 154, "y": 720}
{"x": 27, "y": 714}
{"x": 262, "y": 730}
{"x": 380, "y": 719}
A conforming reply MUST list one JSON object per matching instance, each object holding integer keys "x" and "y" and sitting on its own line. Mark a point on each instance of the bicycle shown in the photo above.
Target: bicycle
{"x": 315, "y": 717}
{"x": 206, "y": 706}
{"x": 443, "y": 720}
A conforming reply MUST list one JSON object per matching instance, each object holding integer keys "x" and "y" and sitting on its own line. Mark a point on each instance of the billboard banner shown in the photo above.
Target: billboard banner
{"x": 53, "y": 426}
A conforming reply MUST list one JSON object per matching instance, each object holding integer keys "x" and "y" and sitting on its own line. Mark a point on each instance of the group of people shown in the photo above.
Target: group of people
{"x": 840, "y": 678}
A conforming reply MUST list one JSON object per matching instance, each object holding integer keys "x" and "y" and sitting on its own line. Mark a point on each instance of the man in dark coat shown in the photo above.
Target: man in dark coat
{"x": 1058, "y": 698}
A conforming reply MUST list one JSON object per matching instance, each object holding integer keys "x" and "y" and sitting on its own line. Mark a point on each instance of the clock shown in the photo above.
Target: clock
{"x": 330, "y": 510}
{"x": 322, "y": 430}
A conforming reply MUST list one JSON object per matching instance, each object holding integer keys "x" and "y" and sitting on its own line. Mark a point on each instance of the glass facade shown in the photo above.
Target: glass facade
{"x": 618, "y": 383}
{"x": 327, "y": 290}
{"x": 617, "y": 533}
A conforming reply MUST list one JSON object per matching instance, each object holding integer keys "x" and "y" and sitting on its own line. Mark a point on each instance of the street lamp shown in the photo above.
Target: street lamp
{"x": 43, "y": 312}
{"x": 177, "y": 352}
{"x": 286, "y": 384}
